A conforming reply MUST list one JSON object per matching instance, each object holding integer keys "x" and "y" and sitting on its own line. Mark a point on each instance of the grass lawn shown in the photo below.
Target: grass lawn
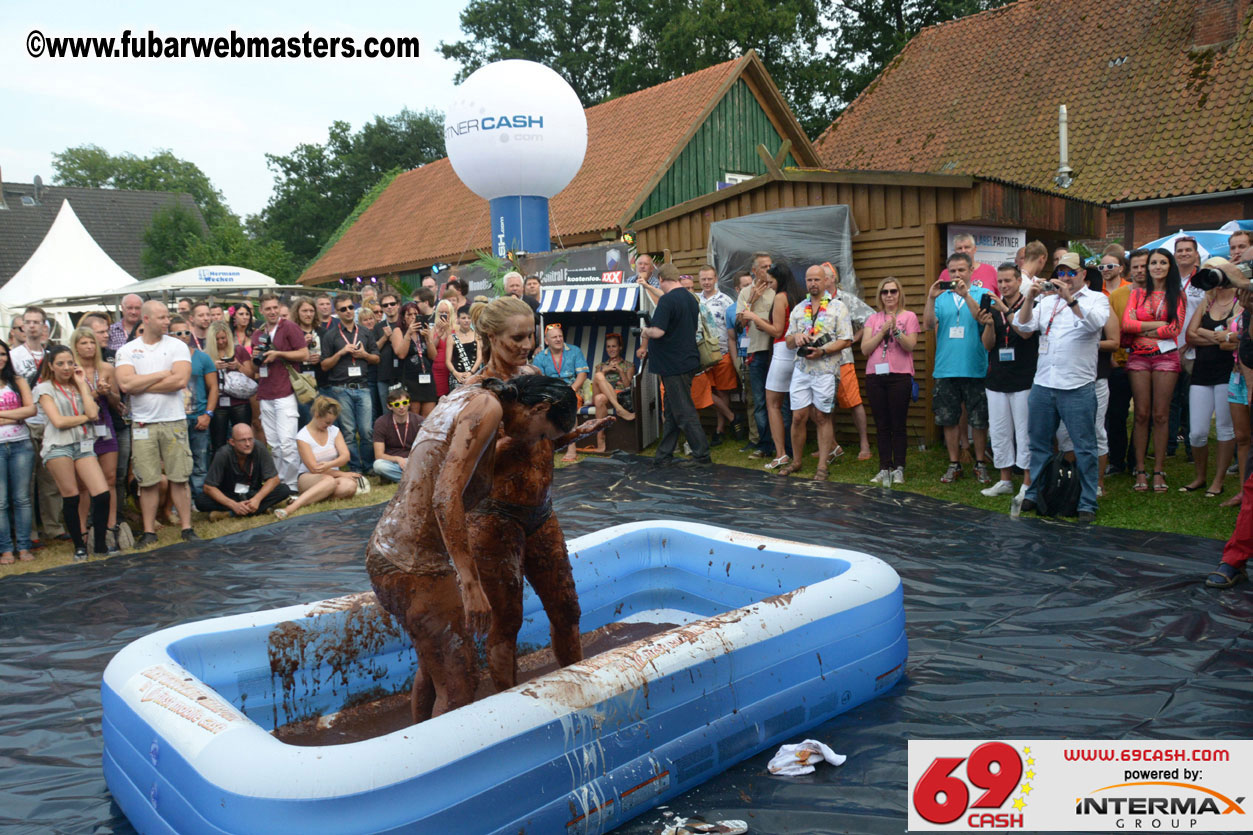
{"x": 62, "y": 553}
{"x": 1122, "y": 507}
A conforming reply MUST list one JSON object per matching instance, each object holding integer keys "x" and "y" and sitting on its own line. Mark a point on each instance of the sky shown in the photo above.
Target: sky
{"x": 222, "y": 114}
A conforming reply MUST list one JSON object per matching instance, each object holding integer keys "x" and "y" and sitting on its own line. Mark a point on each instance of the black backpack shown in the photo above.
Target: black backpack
{"x": 1059, "y": 489}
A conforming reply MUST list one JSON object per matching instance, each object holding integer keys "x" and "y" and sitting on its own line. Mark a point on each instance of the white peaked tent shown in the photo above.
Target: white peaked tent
{"x": 68, "y": 262}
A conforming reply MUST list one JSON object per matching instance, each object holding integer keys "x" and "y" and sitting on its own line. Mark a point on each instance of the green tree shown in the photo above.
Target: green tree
{"x": 167, "y": 239}
{"x": 230, "y": 244}
{"x": 90, "y": 166}
{"x": 583, "y": 40}
{"x": 821, "y": 53}
{"x": 317, "y": 186}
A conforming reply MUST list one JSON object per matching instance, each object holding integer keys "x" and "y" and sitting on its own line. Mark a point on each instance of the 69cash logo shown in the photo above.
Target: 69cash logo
{"x": 988, "y": 789}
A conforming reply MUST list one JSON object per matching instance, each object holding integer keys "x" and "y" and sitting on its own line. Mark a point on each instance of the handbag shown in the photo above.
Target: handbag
{"x": 304, "y": 390}
{"x": 238, "y": 385}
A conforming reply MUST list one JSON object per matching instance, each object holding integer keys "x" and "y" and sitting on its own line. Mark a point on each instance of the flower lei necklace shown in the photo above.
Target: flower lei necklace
{"x": 815, "y": 327}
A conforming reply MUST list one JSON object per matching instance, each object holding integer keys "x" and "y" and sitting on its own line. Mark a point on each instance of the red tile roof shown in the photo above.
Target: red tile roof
{"x": 1149, "y": 117}
{"x": 428, "y": 215}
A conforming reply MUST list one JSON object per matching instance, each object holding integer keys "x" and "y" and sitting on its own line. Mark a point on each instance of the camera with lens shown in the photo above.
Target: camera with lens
{"x": 1208, "y": 278}
{"x": 814, "y": 349}
{"x": 263, "y": 342}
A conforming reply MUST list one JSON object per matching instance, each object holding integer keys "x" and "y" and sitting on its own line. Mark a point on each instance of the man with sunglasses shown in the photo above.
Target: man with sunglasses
{"x": 389, "y": 366}
{"x": 1069, "y": 319}
{"x": 200, "y": 400}
{"x": 347, "y": 352}
{"x": 394, "y": 434}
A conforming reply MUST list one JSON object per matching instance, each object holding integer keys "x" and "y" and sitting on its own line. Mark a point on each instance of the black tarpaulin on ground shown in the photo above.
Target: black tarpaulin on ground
{"x": 1018, "y": 629}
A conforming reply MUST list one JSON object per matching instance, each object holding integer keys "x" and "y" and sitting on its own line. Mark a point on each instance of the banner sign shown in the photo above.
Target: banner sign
{"x": 590, "y": 266}
{"x": 994, "y": 245}
{"x": 1136, "y": 785}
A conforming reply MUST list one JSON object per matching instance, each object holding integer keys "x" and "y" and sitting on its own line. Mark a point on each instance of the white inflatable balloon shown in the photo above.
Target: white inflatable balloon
{"x": 515, "y": 128}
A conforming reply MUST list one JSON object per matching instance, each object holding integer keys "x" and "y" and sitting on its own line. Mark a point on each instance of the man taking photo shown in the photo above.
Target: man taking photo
{"x": 1069, "y": 320}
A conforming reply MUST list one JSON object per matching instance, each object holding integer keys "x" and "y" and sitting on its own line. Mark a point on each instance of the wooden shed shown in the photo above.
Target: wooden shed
{"x": 901, "y": 220}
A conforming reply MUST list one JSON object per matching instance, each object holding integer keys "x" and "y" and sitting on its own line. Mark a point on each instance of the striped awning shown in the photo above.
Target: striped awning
{"x": 609, "y": 297}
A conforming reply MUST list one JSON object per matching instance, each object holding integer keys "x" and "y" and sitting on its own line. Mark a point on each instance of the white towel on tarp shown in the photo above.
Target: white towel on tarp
{"x": 793, "y": 760}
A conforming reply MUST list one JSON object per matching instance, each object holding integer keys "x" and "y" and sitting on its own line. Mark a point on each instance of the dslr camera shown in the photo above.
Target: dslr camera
{"x": 814, "y": 349}
{"x": 1208, "y": 278}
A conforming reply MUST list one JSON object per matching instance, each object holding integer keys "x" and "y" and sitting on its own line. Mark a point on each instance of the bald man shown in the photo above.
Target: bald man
{"x": 123, "y": 331}
{"x": 154, "y": 370}
{"x": 242, "y": 479}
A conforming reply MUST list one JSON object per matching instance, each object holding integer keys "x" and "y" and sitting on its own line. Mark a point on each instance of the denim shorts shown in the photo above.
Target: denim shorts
{"x": 1237, "y": 389}
{"x": 71, "y": 451}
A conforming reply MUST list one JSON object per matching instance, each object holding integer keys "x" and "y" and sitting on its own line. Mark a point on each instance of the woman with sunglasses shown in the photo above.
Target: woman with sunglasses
{"x": 69, "y": 445}
{"x": 1212, "y": 332}
{"x": 887, "y": 341}
{"x": 1154, "y": 317}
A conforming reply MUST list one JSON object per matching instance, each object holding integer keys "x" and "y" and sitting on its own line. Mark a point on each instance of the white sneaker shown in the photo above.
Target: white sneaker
{"x": 1001, "y": 488}
{"x": 898, "y": 475}
{"x": 882, "y": 478}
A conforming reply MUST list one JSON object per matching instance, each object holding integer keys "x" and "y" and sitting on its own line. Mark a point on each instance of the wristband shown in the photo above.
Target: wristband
{"x": 209, "y": 412}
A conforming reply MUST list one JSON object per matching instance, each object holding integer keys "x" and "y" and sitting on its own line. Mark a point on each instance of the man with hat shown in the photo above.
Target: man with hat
{"x": 1069, "y": 317}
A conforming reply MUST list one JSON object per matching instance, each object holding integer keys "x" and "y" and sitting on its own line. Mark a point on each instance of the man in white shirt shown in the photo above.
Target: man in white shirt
{"x": 1188, "y": 258}
{"x": 26, "y": 359}
{"x": 1069, "y": 322}
{"x": 154, "y": 370}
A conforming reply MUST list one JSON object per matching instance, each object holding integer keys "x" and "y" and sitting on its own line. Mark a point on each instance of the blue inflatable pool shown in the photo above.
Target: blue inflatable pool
{"x": 773, "y": 638}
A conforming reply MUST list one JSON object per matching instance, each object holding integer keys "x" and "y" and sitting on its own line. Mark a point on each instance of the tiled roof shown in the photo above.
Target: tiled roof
{"x": 115, "y": 218}
{"x": 427, "y": 214}
{"x": 1149, "y": 115}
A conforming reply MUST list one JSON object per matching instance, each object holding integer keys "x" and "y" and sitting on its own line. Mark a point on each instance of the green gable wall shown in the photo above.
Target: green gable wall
{"x": 727, "y": 141}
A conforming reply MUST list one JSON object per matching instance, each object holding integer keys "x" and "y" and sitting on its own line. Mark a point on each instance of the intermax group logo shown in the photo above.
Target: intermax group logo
{"x": 1160, "y": 805}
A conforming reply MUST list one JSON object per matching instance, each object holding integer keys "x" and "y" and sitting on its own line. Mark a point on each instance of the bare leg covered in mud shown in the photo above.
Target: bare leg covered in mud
{"x": 434, "y": 618}
{"x": 547, "y": 568}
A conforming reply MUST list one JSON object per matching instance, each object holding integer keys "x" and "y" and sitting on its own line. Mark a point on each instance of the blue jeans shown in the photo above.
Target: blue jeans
{"x": 198, "y": 440}
{"x": 389, "y": 470}
{"x": 1046, "y": 407}
{"x": 17, "y": 463}
{"x": 356, "y": 418}
{"x": 758, "y": 368}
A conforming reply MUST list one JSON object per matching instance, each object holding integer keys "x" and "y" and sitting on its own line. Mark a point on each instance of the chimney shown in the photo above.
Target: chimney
{"x": 1064, "y": 171}
{"x": 1215, "y": 21}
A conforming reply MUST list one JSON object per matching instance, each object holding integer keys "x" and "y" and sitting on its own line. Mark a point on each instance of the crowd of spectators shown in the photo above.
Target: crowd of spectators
{"x": 235, "y": 414}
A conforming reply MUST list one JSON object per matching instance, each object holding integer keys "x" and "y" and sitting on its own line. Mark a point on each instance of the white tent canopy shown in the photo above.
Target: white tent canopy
{"x": 202, "y": 280}
{"x": 68, "y": 262}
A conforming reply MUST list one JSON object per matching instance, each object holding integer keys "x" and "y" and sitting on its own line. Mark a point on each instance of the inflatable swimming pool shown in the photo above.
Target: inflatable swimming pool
{"x": 773, "y": 638}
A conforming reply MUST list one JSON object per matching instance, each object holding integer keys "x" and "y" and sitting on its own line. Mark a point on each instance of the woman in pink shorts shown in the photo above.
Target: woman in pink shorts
{"x": 1151, "y": 324}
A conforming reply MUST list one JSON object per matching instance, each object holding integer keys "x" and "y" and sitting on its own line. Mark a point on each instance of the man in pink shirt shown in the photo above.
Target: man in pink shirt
{"x": 984, "y": 275}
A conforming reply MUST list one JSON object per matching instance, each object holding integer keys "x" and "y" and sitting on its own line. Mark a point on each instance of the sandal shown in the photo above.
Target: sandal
{"x": 788, "y": 469}
{"x": 7, "y": 559}
{"x": 1163, "y": 487}
{"x": 1142, "y": 480}
{"x": 781, "y": 461}
{"x": 820, "y": 474}
{"x": 1188, "y": 488}
{"x": 1210, "y": 494}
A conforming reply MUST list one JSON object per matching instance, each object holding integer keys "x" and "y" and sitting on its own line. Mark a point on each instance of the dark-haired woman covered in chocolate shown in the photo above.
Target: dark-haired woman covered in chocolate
{"x": 513, "y": 532}
{"x": 419, "y": 557}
